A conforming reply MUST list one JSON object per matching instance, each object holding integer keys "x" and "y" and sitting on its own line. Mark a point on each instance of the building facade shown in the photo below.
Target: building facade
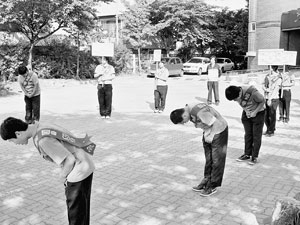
{"x": 273, "y": 24}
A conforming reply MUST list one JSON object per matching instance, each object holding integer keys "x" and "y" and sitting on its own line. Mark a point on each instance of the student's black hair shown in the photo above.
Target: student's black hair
{"x": 274, "y": 67}
{"x": 22, "y": 70}
{"x": 232, "y": 92}
{"x": 10, "y": 125}
{"x": 176, "y": 116}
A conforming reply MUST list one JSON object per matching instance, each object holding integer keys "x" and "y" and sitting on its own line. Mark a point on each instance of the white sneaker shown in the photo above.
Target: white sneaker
{"x": 103, "y": 117}
{"x": 160, "y": 111}
{"x": 107, "y": 117}
{"x": 155, "y": 111}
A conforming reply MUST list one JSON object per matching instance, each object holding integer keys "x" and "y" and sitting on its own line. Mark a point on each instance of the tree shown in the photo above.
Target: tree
{"x": 187, "y": 21}
{"x": 39, "y": 19}
{"x": 137, "y": 28}
{"x": 230, "y": 32}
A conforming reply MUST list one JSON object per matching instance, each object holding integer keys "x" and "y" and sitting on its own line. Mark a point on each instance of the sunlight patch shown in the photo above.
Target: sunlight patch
{"x": 177, "y": 187}
{"x": 191, "y": 177}
{"x": 181, "y": 169}
{"x": 32, "y": 219}
{"x": 248, "y": 218}
{"x": 27, "y": 176}
{"x": 146, "y": 220}
{"x": 13, "y": 202}
{"x": 297, "y": 177}
{"x": 203, "y": 210}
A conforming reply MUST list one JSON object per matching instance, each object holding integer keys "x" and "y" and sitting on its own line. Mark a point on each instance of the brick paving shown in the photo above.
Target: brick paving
{"x": 145, "y": 165}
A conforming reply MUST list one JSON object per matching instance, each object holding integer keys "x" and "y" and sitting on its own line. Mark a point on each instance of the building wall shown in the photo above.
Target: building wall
{"x": 267, "y": 16}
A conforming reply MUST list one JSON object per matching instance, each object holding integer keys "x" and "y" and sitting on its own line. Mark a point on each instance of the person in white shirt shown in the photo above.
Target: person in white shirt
{"x": 105, "y": 74}
{"x": 271, "y": 89}
{"x": 161, "y": 88}
{"x": 285, "y": 96}
{"x": 214, "y": 72}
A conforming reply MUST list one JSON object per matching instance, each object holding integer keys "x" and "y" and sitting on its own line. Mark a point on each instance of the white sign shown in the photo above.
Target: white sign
{"x": 289, "y": 58}
{"x": 276, "y": 57}
{"x": 270, "y": 56}
{"x": 103, "y": 49}
{"x": 157, "y": 55}
{"x": 213, "y": 74}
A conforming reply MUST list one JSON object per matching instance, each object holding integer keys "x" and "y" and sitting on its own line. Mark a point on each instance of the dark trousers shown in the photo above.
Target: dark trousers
{"x": 78, "y": 195}
{"x": 105, "y": 99}
{"x": 32, "y": 107}
{"x": 270, "y": 116}
{"x": 253, "y": 132}
{"x": 284, "y": 104}
{"x": 215, "y": 157}
{"x": 160, "y": 95}
{"x": 213, "y": 86}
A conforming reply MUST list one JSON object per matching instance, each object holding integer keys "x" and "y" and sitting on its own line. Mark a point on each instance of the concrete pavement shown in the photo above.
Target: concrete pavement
{"x": 145, "y": 165}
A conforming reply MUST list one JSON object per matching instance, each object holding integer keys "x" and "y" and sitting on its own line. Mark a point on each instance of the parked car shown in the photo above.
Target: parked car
{"x": 196, "y": 65}
{"x": 225, "y": 64}
{"x": 173, "y": 64}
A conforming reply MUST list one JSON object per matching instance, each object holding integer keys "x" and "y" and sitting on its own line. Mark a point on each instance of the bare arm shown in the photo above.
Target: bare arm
{"x": 67, "y": 165}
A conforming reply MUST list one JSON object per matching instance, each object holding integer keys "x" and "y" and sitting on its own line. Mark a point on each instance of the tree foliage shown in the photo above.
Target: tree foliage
{"x": 39, "y": 19}
{"x": 182, "y": 20}
{"x": 230, "y": 32}
{"x": 137, "y": 31}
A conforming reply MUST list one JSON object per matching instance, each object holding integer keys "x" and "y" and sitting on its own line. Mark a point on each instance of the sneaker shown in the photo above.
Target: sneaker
{"x": 156, "y": 111}
{"x": 201, "y": 186}
{"x": 217, "y": 102}
{"x": 253, "y": 161}
{"x": 208, "y": 192}
{"x": 107, "y": 117}
{"x": 286, "y": 120}
{"x": 270, "y": 134}
{"x": 208, "y": 102}
{"x": 281, "y": 119}
{"x": 103, "y": 117}
{"x": 243, "y": 158}
{"x": 160, "y": 111}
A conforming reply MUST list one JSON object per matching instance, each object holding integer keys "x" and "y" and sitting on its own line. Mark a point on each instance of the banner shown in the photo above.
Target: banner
{"x": 157, "y": 55}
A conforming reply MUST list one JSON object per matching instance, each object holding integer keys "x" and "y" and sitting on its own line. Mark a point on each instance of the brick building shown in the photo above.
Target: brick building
{"x": 273, "y": 24}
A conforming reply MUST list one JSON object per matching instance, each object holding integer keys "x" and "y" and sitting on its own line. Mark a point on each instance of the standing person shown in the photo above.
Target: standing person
{"x": 253, "y": 104}
{"x": 59, "y": 146}
{"x": 161, "y": 88}
{"x": 214, "y": 72}
{"x": 105, "y": 74}
{"x": 271, "y": 88}
{"x": 285, "y": 93}
{"x": 29, "y": 83}
{"x": 215, "y": 139}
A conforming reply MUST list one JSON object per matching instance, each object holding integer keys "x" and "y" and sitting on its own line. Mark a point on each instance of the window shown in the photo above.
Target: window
{"x": 252, "y": 27}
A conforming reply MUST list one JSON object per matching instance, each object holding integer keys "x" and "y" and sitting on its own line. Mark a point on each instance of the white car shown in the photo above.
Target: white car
{"x": 196, "y": 65}
{"x": 225, "y": 64}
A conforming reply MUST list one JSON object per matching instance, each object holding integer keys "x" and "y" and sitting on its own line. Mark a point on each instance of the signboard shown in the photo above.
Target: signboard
{"x": 157, "y": 55}
{"x": 289, "y": 58}
{"x": 103, "y": 49}
{"x": 270, "y": 56}
{"x": 276, "y": 57}
{"x": 213, "y": 74}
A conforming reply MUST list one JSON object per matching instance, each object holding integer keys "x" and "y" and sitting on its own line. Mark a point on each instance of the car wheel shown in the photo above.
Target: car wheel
{"x": 223, "y": 70}
{"x": 199, "y": 72}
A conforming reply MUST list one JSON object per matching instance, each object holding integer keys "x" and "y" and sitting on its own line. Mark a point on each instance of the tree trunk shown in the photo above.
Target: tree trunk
{"x": 139, "y": 60}
{"x": 29, "y": 65}
{"x": 78, "y": 55}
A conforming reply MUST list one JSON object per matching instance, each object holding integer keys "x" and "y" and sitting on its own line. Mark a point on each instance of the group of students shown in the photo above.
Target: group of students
{"x": 74, "y": 155}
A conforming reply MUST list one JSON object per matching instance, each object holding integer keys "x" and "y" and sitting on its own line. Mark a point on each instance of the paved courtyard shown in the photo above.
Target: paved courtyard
{"x": 145, "y": 165}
